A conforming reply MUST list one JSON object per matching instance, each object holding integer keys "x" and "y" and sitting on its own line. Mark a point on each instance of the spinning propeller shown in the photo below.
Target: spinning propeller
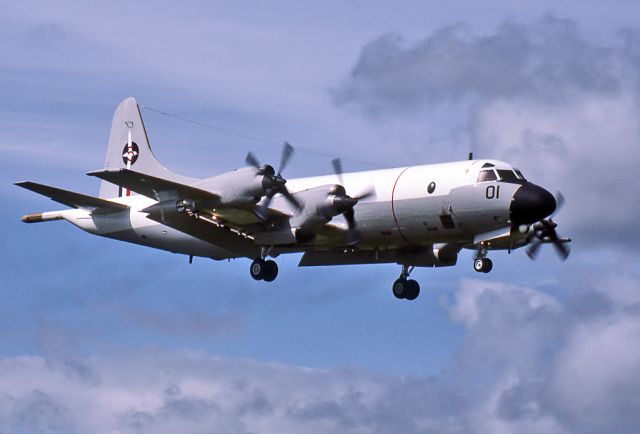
{"x": 343, "y": 203}
{"x": 544, "y": 232}
{"x": 273, "y": 182}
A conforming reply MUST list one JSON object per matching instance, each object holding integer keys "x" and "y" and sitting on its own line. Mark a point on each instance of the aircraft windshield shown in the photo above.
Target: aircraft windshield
{"x": 486, "y": 175}
{"x": 508, "y": 176}
{"x": 520, "y": 175}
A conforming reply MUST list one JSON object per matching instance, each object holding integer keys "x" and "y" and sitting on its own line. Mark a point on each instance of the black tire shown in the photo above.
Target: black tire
{"x": 257, "y": 269}
{"x": 488, "y": 265}
{"x": 478, "y": 264}
{"x": 399, "y": 288}
{"x": 412, "y": 290}
{"x": 270, "y": 271}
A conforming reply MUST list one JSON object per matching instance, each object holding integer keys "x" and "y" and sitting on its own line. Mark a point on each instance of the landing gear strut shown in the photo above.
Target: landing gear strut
{"x": 404, "y": 288}
{"x": 482, "y": 264}
{"x": 264, "y": 270}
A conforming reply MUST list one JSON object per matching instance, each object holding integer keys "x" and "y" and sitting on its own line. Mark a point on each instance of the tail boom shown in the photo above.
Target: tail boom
{"x": 40, "y": 217}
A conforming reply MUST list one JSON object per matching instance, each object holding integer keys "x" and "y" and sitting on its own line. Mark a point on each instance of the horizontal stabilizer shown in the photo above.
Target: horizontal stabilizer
{"x": 74, "y": 200}
{"x": 155, "y": 188}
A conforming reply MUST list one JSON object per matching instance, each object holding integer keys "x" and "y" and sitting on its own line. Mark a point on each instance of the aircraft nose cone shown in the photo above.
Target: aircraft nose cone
{"x": 530, "y": 204}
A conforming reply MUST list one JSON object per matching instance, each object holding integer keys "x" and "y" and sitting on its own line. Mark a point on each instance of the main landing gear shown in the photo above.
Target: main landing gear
{"x": 404, "y": 288}
{"x": 264, "y": 270}
{"x": 482, "y": 264}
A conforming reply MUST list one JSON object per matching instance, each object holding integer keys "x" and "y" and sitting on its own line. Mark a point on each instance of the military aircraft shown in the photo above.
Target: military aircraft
{"x": 417, "y": 216}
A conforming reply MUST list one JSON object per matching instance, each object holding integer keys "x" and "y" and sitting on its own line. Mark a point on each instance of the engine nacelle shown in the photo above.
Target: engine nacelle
{"x": 244, "y": 186}
{"x": 319, "y": 208}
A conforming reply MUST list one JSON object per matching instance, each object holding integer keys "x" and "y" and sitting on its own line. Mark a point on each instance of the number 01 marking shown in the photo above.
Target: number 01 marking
{"x": 493, "y": 192}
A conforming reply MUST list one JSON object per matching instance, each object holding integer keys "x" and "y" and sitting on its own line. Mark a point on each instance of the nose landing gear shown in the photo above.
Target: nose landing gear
{"x": 404, "y": 288}
{"x": 482, "y": 264}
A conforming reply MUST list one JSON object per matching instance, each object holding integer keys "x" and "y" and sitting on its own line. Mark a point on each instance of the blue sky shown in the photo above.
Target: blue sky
{"x": 100, "y": 336}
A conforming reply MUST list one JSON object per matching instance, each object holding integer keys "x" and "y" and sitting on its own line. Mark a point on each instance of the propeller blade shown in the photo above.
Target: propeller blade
{"x": 273, "y": 183}
{"x": 262, "y": 211}
{"x": 287, "y": 151}
{"x": 349, "y": 216}
{"x": 337, "y": 169}
{"x": 369, "y": 192}
{"x": 533, "y": 249}
{"x": 291, "y": 198}
{"x": 544, "y": 232}
{"x": 559, "y": 201}
{"x": 562, "y": 250}
{"x": 353, "y": 236}
{"x": 251, "y": 160}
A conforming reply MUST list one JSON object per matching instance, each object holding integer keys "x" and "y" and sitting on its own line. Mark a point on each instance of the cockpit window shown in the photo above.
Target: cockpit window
{"x": 508, "y": 176}
{"x": 486, "y": 175}
{"x": 520, "y": 175}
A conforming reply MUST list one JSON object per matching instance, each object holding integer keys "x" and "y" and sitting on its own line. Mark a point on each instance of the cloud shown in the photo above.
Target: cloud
{"x": 188, "y": 323}
{"x": 543, "y": 365}
{"x": 528, "y": 363}
{"x": 548, "y": 60}
{"x": 541, "y": 95}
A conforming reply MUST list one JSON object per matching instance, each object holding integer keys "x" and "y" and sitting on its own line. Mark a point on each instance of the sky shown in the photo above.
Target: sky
{"x": 98, "y": 336}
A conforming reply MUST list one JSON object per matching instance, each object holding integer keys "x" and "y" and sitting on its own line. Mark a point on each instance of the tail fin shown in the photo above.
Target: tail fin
{"x": 129, "y": 148}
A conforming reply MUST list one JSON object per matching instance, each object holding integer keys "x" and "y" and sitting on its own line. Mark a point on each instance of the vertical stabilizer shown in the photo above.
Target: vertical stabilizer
{"x": 129, "y": 148}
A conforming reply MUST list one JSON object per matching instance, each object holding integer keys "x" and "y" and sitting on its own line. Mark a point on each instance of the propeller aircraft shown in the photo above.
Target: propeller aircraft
{"x": 417, "y": 216}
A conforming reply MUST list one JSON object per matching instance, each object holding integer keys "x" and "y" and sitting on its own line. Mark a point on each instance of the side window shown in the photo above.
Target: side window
{"x": 486, "y": 175}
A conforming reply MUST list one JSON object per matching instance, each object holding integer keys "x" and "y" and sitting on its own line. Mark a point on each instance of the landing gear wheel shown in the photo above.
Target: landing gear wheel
{"x": 399, "y": 288}
{"x": 483, "y": 265}
{"x": 478, "y": 265}
{"x": 270, "y": 271}
{"x": 412, "y": 290}
{"x": 406, "y": 289}
{"x": 257, "y": 269}
{"x": 264, "y": 270}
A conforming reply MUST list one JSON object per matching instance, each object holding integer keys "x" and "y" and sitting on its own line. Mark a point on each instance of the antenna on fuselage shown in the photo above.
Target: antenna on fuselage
{"x": 470, "y": 155}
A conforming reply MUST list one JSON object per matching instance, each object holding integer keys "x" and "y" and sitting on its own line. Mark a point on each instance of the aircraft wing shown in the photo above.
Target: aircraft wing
{"x": 151, "y": 186}
{"x": 204, "y": 229}
{"x": 74, "y": 200}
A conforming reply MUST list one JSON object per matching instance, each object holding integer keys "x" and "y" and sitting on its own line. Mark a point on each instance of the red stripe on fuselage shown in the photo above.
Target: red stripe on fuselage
{"x": 393, "y": 208}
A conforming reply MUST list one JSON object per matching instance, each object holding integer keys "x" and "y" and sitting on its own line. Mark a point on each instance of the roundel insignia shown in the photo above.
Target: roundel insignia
{"x": 130, "y": 153}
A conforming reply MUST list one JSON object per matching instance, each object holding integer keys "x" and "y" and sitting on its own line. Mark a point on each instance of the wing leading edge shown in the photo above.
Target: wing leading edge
{"x": 153, "y": 187}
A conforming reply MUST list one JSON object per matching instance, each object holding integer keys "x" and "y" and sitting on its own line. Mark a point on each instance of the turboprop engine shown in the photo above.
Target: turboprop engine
{"x": 321, "y": 205}
{"x": 247, "y": 185}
